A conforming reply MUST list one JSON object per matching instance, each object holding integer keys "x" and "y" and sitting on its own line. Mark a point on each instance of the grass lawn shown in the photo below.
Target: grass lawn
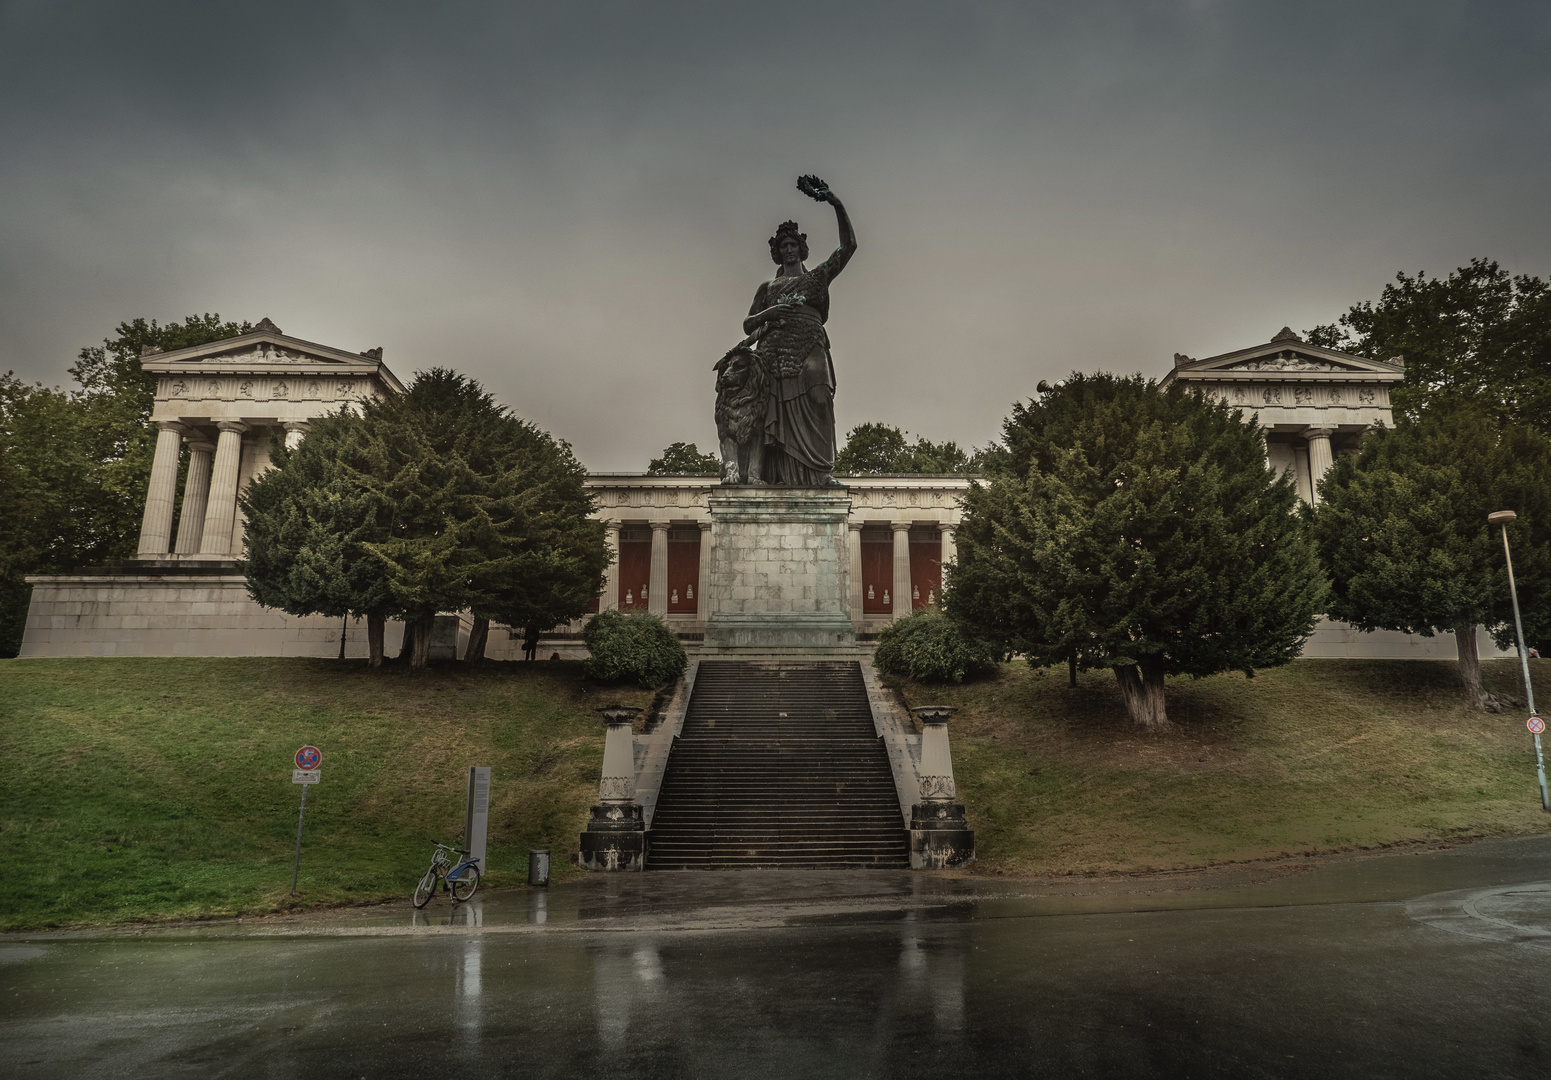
{"x": 1318, "y": 756}
{"x": 161, "y": 788}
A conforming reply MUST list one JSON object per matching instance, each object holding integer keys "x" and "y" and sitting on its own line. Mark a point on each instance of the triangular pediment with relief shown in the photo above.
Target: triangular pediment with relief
{"x": 266, "y": 350}
{"x": 1285, "y": 355}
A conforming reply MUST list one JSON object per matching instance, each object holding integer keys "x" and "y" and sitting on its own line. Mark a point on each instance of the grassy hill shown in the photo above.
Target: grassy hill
{"x": 160, "y": 788}
{"x": 1318, "y": 756}
{"x": 145, "y": 788}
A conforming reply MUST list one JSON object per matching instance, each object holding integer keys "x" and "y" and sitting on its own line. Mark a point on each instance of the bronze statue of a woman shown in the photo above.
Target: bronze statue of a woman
{"x": 786, "y": 339}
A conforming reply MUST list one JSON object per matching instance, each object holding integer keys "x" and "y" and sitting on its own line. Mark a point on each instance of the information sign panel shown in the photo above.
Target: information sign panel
{"x": 306, "y": 776}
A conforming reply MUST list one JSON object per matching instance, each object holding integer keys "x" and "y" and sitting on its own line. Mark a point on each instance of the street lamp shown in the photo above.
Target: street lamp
{"x": 1502, "y": 517}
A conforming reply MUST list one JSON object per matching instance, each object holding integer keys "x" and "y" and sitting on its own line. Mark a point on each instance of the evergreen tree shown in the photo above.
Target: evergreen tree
{"x": 684, "y": 459}
{"x": 1402, "y": 531}
{"x": 1137, "y": 530}
{"x": 434, "y": 500}
{"x": 309, "y": 521}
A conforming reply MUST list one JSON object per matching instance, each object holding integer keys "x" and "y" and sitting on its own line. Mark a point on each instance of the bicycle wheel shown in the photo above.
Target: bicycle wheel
{"x": 464, "y": 884}
{"x": 426, "y": 889}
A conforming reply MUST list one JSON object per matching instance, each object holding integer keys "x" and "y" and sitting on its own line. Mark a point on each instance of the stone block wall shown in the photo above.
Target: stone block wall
{"x": 176, "y": 615}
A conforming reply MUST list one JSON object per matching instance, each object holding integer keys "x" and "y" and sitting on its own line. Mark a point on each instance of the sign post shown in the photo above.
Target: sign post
{"x": 477, "y": 822}
{"x": 1502, "y": 517}
{"x": 308, "y": 771}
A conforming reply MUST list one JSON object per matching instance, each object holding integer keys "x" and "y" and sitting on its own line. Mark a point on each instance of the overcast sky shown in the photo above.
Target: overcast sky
{"x": 570, "y": 201}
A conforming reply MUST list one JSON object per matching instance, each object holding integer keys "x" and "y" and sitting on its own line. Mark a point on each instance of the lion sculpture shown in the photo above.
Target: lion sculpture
{"x": 742, "y": 401}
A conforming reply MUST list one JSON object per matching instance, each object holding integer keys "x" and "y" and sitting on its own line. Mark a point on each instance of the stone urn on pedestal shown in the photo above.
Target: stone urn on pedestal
{"x": 616, "y": 828}
{"x": 940, "y": 835}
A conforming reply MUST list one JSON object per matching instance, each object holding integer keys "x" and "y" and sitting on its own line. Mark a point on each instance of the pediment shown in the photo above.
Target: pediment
{"x": 267, "y": 351}
{"x": 1286, "y": 356}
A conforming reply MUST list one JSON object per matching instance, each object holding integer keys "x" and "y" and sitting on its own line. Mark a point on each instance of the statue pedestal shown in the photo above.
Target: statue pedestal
{"x": 779, "y": 573}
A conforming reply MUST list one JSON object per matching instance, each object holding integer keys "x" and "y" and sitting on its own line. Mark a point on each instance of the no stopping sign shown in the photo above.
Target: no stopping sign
{"x": 1536, "y": 724}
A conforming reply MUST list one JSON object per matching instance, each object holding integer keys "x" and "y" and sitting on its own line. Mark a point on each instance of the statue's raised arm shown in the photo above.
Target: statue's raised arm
{"x": 818, "y": 191}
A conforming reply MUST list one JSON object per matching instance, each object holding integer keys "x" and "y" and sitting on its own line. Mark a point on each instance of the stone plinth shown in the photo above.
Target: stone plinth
{"x": 175, "y": 607}
{"x": 779, "y": 573}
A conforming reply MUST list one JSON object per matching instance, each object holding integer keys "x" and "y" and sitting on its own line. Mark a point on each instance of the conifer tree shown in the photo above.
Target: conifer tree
{"x": 1402, "y": 531}
{"x": 1138, "y": 530}
{"x": 455, "y": 505}
{"x": 309, "y": 521}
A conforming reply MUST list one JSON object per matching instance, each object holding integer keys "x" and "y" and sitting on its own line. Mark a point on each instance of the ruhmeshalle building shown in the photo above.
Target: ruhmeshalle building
{"x": 183, "y": 595}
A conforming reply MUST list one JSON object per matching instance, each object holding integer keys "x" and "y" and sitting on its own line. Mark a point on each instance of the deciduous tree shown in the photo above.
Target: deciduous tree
{"x": 684, "y": 459}
{"x": 1479, "y": 338}
{"x": 1137, "y": 530}
{"x": 873, "y": 449}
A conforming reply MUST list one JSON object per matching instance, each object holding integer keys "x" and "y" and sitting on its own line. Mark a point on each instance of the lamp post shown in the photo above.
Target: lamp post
{"x": 1502, "y": 517}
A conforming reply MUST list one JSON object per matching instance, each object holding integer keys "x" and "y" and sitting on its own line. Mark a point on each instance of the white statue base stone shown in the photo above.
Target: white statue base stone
{"x": 779, "y": 575}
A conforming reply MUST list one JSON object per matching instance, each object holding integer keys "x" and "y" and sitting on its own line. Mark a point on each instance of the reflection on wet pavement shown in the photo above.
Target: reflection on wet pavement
{"x": 1415, "y": 965}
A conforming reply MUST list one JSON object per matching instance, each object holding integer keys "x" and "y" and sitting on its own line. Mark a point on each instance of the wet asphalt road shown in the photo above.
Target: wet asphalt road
{"x": 1421, "y": 965}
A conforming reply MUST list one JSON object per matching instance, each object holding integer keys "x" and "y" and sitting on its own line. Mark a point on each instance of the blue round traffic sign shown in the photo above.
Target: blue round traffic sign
{"x": 309, "y": 757}
{"x": 1536, "y": 724}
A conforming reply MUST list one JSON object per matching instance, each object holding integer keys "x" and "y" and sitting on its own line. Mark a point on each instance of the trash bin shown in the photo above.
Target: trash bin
{"x": 538, "y": 866}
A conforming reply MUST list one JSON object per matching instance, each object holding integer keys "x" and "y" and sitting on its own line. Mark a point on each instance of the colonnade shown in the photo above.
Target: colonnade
{"x": 901, "y": 583}
{"x": 209, "y": 521}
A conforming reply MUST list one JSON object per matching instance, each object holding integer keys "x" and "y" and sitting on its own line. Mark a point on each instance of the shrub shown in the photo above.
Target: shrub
{"x": 928, "y": 646}
{"x": 638, "y": 648}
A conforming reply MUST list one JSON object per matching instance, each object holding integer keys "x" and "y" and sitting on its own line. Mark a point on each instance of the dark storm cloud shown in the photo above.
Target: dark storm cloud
{"x": 570, "y": 201}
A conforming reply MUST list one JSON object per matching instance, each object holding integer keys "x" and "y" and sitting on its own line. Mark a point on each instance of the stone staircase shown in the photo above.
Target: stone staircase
{"x": 777, "y": 765}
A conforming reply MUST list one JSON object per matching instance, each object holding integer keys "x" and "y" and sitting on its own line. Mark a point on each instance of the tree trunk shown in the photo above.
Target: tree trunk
{"x": 422, "y": 654}
{"x": 1470, "y": 669}
{"x": 479, "y": 633}
{"x": 1142, "y": 691}
{"x": 407, "y": 646}
{"x": 1071, "y": 671}
{"x": 343, "y": 630}
{"x": 374, "y": 627}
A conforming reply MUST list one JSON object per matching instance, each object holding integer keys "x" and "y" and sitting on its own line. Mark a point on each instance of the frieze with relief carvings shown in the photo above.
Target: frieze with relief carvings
{"x": 257, "y": 388}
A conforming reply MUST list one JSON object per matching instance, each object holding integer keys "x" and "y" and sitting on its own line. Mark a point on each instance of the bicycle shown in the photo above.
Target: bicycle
{"x": 460, "y": 877}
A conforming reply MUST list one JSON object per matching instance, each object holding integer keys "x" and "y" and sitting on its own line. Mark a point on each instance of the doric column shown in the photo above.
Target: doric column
{"x": 900, "y": 595}
{"x": 1320, "y": 458}
{"x": 196, "y": 493}
{"x": 857, "y": 586}
{"x": 950, "y": 549}
{"x": 657, "y": 601}
{"x": 156, "y": 526}
{"x": 610, "y": 598}
{"x": 703, "y": 581}
{"x": 295, "y": 432}
{"x": 221, "y": 509}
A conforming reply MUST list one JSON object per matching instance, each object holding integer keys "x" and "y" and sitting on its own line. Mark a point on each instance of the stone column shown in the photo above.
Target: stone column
{"x": 857, "y": 587}
{"x": 295, "y": 432}
{"x": 610, "y": 598}
{"x": 703, "y": 580}
{"x": 196, "y": 492}
{"x": 657, "y": 582}
{"x": 949, "y": 549}
{"x": 1320, "y": 458}
{"x": 899, "y": 596}
{"x": 616, "y": 828}
{"x": 221, "y": 510}
{"x": 156, "y": 526}
{"x": 939, "y": 832}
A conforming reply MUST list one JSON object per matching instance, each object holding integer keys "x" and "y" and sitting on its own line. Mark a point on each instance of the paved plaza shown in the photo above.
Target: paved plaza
{"x": 1405, "y": 965}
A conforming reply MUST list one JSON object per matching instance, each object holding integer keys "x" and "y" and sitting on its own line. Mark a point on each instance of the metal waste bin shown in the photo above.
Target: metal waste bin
{"x": 538, "y": 866}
